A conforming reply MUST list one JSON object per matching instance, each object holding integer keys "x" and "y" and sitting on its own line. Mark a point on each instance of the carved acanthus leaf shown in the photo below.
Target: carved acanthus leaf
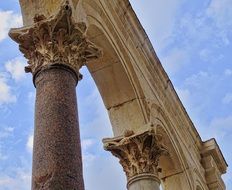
{"x": 138, "y": 153}
{"x": 55, "y": 40}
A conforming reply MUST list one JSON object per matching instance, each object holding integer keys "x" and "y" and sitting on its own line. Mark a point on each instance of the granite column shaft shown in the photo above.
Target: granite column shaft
{"x": 57, "y": 162}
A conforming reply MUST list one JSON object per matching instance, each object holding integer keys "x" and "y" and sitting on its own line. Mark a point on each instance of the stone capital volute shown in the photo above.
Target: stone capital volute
{"x": 138, "y": 153}
{"x": 55, "y": 40}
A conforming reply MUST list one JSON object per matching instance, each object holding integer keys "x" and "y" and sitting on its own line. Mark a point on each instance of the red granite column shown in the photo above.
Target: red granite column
{"x": 56, "y": 48}
{"x": 57, "y": 162}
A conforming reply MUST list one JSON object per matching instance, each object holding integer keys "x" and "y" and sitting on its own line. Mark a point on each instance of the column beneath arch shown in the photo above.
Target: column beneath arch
{"x": 139, "y": 156}
{"x": 56, "y": 48}
{"x": 57, "y": 160}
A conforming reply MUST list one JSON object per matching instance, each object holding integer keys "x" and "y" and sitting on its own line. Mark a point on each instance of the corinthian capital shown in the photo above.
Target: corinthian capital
{"x": 138, "y": 153}
{"x": 55, "y": 40}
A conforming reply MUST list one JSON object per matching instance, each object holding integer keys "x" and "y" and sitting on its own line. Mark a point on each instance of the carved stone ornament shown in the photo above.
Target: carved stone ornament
{"x": 55, "y": 40}
{"x": 138, "y": 153}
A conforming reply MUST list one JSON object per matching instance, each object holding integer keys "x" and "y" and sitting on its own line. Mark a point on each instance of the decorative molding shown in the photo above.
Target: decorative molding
{"x": 138, "y": 153}
{"x": 212, "y": 174}
{"x": 211, "y": 148}
{"x": 55, "y": 40}
{"x": 214, "y": 164}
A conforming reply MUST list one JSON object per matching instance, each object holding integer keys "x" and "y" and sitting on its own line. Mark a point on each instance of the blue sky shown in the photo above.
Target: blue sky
{"x": 193, "y": 40}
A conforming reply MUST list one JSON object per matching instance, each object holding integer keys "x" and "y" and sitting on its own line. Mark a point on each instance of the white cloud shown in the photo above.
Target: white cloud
{"x": 29, "y": 144}
{"x": 31, "y": 96}
{"x": 5, "y": 132}
{"x": 5, "y": 181}
{"x": 87, "y": 143}
{"x": 20, "y": 180}
{"x": 210, "y": 24}
{"x": 220, "y": 11}
{"x": 208, "y": 55}
{"x": 88, "y": 157}
{"x": 16, "y": 176}
{"x": 198, "y": 80}
{"x": 8, "y": 20}
{"x": 16, "y": 68}
{"x": 203, "y": 31}
{"x": 6, "y": 95}
{"x": 227, "y": 99}
{"x": 194, "y": 29}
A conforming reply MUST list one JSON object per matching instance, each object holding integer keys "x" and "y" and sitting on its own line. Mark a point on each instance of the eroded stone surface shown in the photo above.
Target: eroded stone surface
{"x": 138, "y": 153}
{"x": 55, "y": 40}
{"x": 145, "y": 184}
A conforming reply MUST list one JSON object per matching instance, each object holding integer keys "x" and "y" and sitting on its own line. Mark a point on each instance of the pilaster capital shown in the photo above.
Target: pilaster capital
{"x": 55, "y": 40}
{"x": 138, "y": 153}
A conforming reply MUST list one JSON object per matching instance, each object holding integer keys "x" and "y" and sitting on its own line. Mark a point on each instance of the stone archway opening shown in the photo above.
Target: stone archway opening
{"x": 114, "y": 86}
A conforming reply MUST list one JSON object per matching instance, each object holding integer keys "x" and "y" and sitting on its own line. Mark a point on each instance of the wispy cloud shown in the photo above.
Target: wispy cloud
{"x": 20, "y": 179}
{"x": 211, "y": 23}
{"x": 86, "y": 145}
{"x": 199, "y": 33}
{"x": 200, "y": 80}
{"x": 16, "y": 68}
{"x": 220, "y": 11}
{"x": 5, "y": 132}
{"x": 6, "y": 95}
{"x": 8, "y": 20}
{"x": 29, "y": 144}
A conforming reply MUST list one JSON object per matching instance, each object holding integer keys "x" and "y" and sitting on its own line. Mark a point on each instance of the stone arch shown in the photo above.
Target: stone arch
{"x": 199, "y": 187}
{"x": 174, "y": 164}
{"x": 199, "y": 180}
{"x": 113, "y": 73}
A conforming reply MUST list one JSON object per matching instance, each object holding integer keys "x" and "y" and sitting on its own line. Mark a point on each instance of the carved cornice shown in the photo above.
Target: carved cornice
{"x": 55, "y": 40}
{"x": 138, "y": 153}
{"x": 214, "y": 164}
